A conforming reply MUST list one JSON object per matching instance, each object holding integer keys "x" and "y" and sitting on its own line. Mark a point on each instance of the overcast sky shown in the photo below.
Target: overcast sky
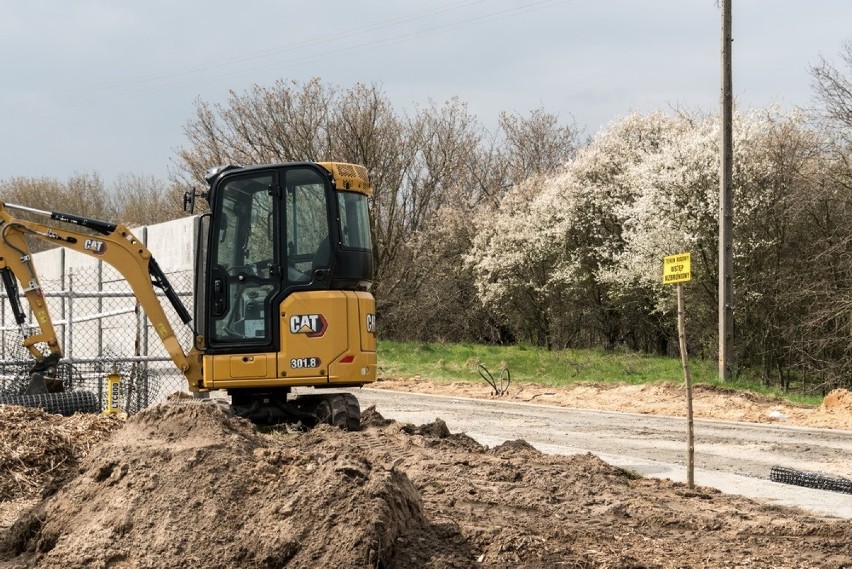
{"x": 107, "y": 87}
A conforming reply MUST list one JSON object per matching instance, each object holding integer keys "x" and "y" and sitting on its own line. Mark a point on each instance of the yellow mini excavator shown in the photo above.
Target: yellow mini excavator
{"x": 284, "y": 267}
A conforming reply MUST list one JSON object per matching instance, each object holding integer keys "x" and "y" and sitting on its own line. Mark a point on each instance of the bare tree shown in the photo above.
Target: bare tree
{"x": 145, "y": 200}
{"x": 365, "y": 130}
{"x": 833, "y": 89}
{"x": 285, "y": 122}
{"x": 81, "y": 194}
{"x": 537, "y": 144}
{"x": 430, "y": 172}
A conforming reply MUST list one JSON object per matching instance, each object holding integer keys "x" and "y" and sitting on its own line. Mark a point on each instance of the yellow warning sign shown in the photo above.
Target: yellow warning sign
{"x": 676, "y": 268}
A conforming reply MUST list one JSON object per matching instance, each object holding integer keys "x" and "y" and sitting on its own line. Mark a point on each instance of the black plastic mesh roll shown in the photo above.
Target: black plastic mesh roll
{"x": 810, "y": 479}
{"x": 65, "y": 403}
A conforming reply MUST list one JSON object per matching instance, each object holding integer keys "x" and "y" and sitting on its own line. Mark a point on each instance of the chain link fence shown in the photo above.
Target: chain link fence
{"x": 102, "y": 330}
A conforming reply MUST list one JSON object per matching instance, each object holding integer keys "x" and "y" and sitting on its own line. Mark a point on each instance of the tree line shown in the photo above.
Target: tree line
{"x": 132, "y": 199}
{"x": 529, "y": 232}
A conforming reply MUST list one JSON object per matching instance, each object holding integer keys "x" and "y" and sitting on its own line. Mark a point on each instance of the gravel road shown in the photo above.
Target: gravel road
{"x": 731, "y": 456}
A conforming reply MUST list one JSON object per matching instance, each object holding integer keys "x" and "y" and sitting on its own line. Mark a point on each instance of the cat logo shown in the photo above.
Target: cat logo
{"x": 95, "y": 246}
{"x": 311, "y": 325}
{"x": 371, "y": 323}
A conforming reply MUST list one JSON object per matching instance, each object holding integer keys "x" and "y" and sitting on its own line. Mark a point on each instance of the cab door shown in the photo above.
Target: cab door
{"x": 244, "y": 277}
{"x": 270, "y": 245}
{"x": 314, "y": 319}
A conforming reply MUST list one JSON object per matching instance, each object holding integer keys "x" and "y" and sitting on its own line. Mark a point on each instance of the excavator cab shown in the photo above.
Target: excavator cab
{"x": 284, "y": 267}
{"x": 282, "y": 290}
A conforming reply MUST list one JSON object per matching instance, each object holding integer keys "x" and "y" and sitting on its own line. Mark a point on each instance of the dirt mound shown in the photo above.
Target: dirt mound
{"x": 516, "y": 446}
{"x": 838, "y": 400}
{"x": 186, "y": 485}
{"x": 37, "y": 448}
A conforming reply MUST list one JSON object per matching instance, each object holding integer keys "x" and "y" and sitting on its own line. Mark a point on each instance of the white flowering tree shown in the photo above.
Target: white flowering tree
{"x": 676, "y": 209}
{"x": 539, "y": 260}
{"x": 576, "y": 257}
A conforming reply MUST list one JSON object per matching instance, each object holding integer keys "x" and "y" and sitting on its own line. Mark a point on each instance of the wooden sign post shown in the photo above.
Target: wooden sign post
{"x": 677, "y": 270}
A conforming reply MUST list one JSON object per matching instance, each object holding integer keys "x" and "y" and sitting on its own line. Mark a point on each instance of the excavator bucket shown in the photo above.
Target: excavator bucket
{"x": 37, "y": 385}
{"x": 40, "y": 385}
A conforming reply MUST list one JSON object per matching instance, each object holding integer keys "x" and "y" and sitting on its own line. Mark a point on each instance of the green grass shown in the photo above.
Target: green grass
{"x": 458, "y": 362}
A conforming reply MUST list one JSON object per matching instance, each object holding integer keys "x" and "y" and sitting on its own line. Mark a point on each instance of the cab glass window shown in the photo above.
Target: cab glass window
{"x": 308, "y": 246}
{"x": 354, "y": 220}
{"x": 243, "y": 255}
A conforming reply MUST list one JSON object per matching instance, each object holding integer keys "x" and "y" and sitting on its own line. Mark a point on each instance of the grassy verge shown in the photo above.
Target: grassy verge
{"x": 458, "y": 362}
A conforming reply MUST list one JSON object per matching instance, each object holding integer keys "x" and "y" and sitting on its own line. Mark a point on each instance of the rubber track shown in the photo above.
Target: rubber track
{"x": 339, "y": 409}
{"x": 65, "y": 403}
{"x": 810, "y": 479}
{"x": 353, "y": 412}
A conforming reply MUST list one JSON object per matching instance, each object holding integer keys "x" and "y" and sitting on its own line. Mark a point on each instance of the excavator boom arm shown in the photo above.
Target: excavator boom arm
{"x": 112, "y": 243}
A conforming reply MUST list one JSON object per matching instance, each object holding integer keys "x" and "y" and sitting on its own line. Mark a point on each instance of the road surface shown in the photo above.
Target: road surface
{"x": 731, "y": 456}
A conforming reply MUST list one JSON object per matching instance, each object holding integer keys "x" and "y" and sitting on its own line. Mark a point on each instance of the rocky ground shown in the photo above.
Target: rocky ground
{"x": 186, "y": 485}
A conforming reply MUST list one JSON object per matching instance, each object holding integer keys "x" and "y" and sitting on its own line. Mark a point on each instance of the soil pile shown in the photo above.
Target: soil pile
{"x": 37, "y": 448}
{"x": 837, "y": 401}
{"x": 185, "y": 485}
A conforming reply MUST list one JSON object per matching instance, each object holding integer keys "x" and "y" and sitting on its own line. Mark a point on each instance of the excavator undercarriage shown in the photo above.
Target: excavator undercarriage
{"x": 269, "y": 408}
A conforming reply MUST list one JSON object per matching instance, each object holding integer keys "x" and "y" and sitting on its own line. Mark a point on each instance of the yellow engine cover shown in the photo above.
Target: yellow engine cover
{"x": 326, "y": 338}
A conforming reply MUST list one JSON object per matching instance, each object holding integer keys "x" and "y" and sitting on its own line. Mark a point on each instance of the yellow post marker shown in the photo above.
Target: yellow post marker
{"x": 113, "y": 406}
{"x": 677, "y": 269}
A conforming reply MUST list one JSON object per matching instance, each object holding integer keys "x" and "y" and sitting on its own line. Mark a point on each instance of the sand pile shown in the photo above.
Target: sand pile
{"x": 838, "y": 401}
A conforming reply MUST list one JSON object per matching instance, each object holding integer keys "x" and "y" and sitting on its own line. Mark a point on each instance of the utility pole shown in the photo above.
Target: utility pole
{"x": 726, "y": 251}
